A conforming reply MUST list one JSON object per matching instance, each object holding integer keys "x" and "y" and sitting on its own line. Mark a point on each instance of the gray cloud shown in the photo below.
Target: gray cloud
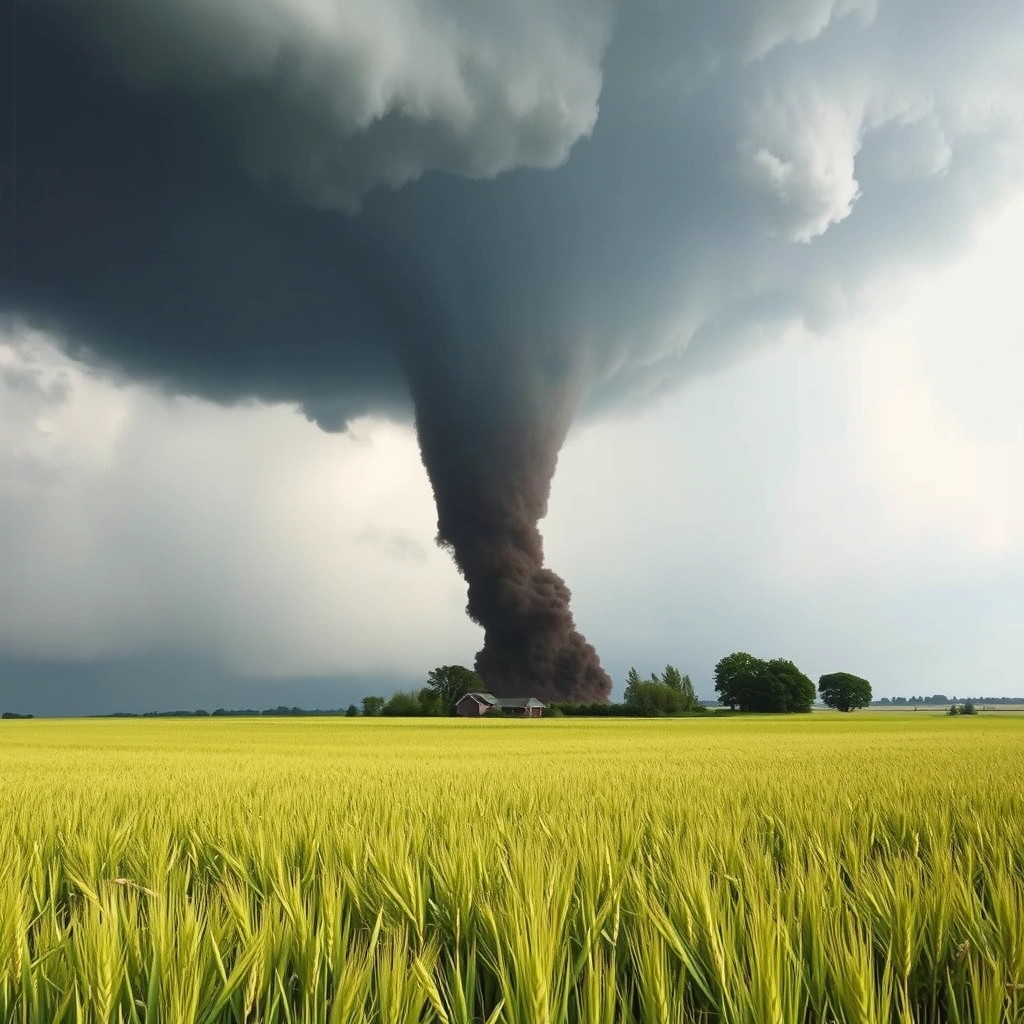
{"x": 337, "y": 98}
{"x": 170, "y": 682}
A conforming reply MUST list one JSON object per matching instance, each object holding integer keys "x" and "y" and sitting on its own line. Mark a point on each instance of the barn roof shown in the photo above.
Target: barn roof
{"x": 481, "y": 698}
{"x": 519, "y": 702}
{"x": 505, "y": 702}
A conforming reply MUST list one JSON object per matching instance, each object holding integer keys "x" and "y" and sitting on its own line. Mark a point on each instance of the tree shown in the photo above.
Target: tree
{"x": 372, "y": 706}
{"x": 632, "y": 681}
{"x": 647, "y": 696}
{"x": 667, "y": 694}
{"x": 683, "y": 685}
{"x": 430, "y": 703}
{"x": 751, "y": 684}
{"x": 650, "y": 698}
{"x": 689, "y": 695}
{"x": 791, "y": 690}
{"x": 672, "y": 678}
{"x": 450, "y": 683}
{"x": 843, "y": 691}
{"x": 351, "y": 711}
{"x": 736, "y": 679}
{"x": 402, "y": 705}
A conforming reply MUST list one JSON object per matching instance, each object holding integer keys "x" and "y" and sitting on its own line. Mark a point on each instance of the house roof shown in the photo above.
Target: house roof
{"x": 505, "y": 702}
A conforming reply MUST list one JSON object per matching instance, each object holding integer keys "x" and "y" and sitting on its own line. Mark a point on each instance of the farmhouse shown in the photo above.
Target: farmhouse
{"x": 474, "y": 705}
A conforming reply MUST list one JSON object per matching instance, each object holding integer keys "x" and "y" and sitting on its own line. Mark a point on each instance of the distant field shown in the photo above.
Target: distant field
{"x": 864, "y": 868}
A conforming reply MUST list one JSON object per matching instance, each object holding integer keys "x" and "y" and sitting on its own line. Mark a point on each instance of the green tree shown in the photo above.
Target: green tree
{"x": 667, "y": 694}
{"x": 672, "y": 678}
{"x": 843, "y": 691}
{"x": 690, "y": 701}
{"x": 450, "y": 683}
{"x": 372, "y": 706}
{"x": 750, "y": 684}
{"x": 790, "y": 689}
{"x": 632, "y": 681}
{"x": 430, "y": 702}
{"x": 736, "y": 679}
{"x": 650, "y": 698}
{"x": 402, "y": 705}
{"x": 351, "y": 711}
{"x": 683, "y": 685}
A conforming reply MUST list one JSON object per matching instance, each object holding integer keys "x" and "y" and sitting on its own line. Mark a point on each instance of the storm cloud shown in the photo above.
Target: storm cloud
{"x": 488, "y": 219}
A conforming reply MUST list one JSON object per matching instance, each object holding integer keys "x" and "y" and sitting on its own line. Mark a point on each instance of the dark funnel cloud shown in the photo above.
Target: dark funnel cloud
{"x": 490, "y": 218}
{"x": 491, "y": 462}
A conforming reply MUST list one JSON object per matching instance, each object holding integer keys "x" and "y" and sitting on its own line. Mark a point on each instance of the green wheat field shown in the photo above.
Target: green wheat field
{"x": 862, "y": 868}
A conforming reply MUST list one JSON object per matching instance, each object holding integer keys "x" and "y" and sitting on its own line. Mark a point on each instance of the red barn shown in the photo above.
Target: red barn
{"x": 475, "y": 705}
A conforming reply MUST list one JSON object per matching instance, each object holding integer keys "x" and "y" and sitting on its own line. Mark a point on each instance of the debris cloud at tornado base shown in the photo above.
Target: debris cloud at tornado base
{"x": 510, "y": 215}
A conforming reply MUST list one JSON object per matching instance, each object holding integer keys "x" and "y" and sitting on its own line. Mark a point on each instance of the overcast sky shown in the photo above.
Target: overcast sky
{"x": 853, "y": 501}
{"x": 803, "y": 436}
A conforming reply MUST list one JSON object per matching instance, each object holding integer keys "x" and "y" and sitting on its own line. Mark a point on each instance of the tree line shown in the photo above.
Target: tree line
{"x": 941, "y": 700}
{"x": 667, "y": 693}
{"x": 670, "y": 694}
{"x": 743, "y": 683}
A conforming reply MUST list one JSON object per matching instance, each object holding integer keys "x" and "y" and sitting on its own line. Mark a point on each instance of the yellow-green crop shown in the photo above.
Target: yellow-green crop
{"x": 856, "y": 869}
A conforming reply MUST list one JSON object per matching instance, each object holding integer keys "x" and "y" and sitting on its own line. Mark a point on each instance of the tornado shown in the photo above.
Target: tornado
{"x": 490, "y": 445}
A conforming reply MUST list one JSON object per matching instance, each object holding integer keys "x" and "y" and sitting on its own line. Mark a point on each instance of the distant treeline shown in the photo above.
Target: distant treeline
{"x": 279, "y": 712}
{"x": 612, "y": 710}
{"x": 670, "y": 694}
{"x": 941, "y": 699}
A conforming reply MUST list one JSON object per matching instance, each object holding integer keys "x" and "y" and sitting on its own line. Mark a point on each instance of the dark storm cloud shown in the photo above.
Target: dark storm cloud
{"x": 505, "y": 214}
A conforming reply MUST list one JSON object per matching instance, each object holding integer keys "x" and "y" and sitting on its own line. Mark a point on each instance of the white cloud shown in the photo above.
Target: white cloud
{"x": 803, "y": 155}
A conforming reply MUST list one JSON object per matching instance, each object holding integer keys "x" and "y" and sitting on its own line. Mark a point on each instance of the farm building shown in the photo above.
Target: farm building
{"x": 474, "y": 705}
